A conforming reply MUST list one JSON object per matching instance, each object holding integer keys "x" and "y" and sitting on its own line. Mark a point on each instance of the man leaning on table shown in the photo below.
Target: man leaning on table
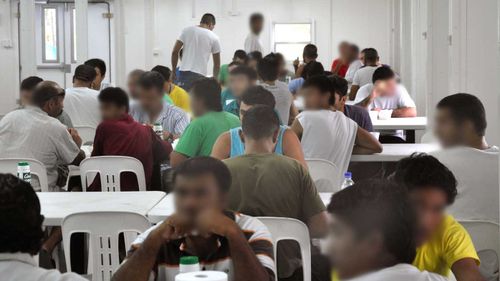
{"x": 201, "y": 226}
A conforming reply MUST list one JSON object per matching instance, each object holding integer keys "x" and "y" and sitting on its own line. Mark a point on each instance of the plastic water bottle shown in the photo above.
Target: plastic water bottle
{"x": 347, "y": 180}
{"x": 158, "y": 129}
{"x": 23, "y": 171}
{"x": 189, "y": 264}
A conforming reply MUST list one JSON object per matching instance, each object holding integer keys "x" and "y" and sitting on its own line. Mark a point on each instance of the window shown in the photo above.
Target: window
{"x": 49, "y": 35}
{"x": 290, "y": 38}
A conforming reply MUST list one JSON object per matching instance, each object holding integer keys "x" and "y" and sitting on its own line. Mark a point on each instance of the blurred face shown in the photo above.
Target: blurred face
{"x": 132, "y": 86}
{"x": 252, "y": 63}
{"x": 348, "y": 253}
{"x": 387, "y": 88}
{"x": 313, "y": 98}
{"x": 430, "y": 204}
{"x": 344, "y": 50}
{"x": 238, "y": 84}
{"x": 197, "y": 193}
{"x": 256, "y": 26}
{"x": 54, "y": 106}
{"x": 447, "y": 130}
{"x": 98, "y": 78}
{"x": 110, "y": 111}
{"x": 150, "y": 99}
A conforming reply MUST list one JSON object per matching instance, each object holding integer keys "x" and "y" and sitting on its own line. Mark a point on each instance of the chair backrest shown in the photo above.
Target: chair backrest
{"x": 110, "y": 168}
{"x": 477, "y": 175}
{"x": 87, "y": 133}
{"x": 103, "y": 229}
{"x": 325, "y": 174}
{"x": 9, "y": 166}
{"x": 291, "y": 229}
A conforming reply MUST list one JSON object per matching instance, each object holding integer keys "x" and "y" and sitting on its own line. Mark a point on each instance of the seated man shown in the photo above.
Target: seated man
{"x": 22, "y": 233}
{"x": 365, "y": 74}
{"x": 152, "y": 109}
{"x": 240, "y": 79}
{"x": 268, "y": 184}
{"x": 202, "y": 226}
{"x": 309, "y": 54}
{"x": 173, "y": 93}
{"x": 328, "y": 134}
{"x": 230, "y": 145}
{"x": 356, "y": 113}
{"x": 34, "y": 133}
{"x": 444, "y": 246}
{"x": 239, "y": 58}
{"x": 119, "y": 134}
{"x": 311, "y": 69}
{"x": 386, "y": 94}
{"x": 100, "y": 68}
{"x": 461, "y": 121}
{"x": 209, "y": 123}
{"x": 373, "y": 234}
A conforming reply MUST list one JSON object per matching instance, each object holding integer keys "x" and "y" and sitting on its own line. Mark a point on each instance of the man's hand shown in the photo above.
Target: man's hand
{"x": 173, "y": 228}
{"x": 215, "y": 222}
{"x": 296, "y": 62}
{"x": 75, "y": 136}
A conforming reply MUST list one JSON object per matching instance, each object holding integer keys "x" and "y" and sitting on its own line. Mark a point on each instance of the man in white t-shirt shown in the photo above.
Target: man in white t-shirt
{"x": 328, "y": 134}
{"x": 81, "y": 101}
{"x": 197, "y": 44}
{"x": 356, "y": 64}
{"x": 373, "y": 228}
{"x": 365, "y": 74}
{"x": 252, "y": 42}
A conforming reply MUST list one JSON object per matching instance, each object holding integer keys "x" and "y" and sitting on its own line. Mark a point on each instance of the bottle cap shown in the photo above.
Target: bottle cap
{"x": 23, "y": 164}
{"x": 348, "y": 175}
{"x": 189, "y": 260}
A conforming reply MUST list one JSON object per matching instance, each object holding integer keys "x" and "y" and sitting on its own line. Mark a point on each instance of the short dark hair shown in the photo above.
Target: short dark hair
{"x": 313, "y": 68}
{"x": 255, "y": 55}
{"x": 152, "y": 80}
{"x": 256, "y": 17}
{"x": 208, "y": 19}
{"x": 268, "y": 68}
{"x": 163, "y": 70}
{"x": 258, "y": 95}
{"x": 463, "y": 107}
{"x": 29, "y": 84}
{"x": 196, "y": 166}
{"x": 310, "y": 51}
{"x": 423, "y": 171}
{"x": 97, "y": 63}
{"x": 383, "y": 73}
{"x": 240, "y": 54}
{"x": 21, "y": 221}
{"x": 260, "y": 122}
{"x": 249, "y": 72}
{"x": 208, "y": 91}
{"x": 46, "y": 91}
{"x": 323, "y": 84}
{"x": 371, "y": 55}
{"x": 339, "y": 84}
{"x": 379, "y": 205}
{"x": 114, "y": 95}
{"x": 85, "y": 73}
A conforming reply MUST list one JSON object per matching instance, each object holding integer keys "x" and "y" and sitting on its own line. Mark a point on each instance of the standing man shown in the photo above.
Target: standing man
{"x": 365, "y": 74}
{"x": 252, "y": 42}
{"x": 197, "y": 43}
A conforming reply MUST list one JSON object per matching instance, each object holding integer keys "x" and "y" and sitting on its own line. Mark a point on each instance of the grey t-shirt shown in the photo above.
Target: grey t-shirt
{"x": 65, "y": 119}
{"x": 283, "y": 98}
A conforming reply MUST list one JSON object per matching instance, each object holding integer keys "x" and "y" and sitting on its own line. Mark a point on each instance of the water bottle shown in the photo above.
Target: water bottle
{"x": 24, "y": 172}
{"x": 158, "y": 129}
{"x": 189, "y": 264}
{"x": 347, "y": 180}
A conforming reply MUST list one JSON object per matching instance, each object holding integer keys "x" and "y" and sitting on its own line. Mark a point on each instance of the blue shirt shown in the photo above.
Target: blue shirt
{"x": 230, "y": 103}
{"x": 360, "y": 116}
{"x": 295, "y": 85}
{"x": 238, "y": 147}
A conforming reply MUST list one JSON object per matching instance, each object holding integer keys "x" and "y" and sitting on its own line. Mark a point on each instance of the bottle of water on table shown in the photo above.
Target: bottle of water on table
{"x": 347, "y": 180}
{"x": 24, "y": 172}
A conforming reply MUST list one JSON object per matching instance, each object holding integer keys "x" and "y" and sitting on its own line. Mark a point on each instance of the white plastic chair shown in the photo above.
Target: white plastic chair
{"x": 325, "y": 174}
{"x": 87, "y": 133}
{"x": 9, "y": 166}
{"x": 291, "y": 229}
{"x": 103, "y": 229}
{"x": 477, "y": 175}
{"x": 110, "y": 168}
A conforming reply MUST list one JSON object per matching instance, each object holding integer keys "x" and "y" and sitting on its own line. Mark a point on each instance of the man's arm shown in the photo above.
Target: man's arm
{"x": 318, "y": 225}
{"x": 404, "y": 112}
{"x": 354, "y": 91}
{"x": 177, "y": 158}
{"x": 466, "y": 270}
{"x": 216, "y": 58}
{"x": 175, "y": 57}
{"x": 222, "y": 147}
{"x": 78, "y": 159}
{"x": 292, "y": 147}
{"x": 366, "y": 143}
{"x": 297, "y": 128}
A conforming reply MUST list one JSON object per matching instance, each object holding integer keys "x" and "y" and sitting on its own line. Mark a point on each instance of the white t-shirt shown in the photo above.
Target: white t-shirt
{"x": 283, "y": 98}
{"x": 353, "y": 68}
{"x": 400, "y": 99}
{"x": 82, "y": 106}
{"x": 198, "y": 44}
{"x": 400, "y": 272}
{"x": 364, "y": 75}
{"x": 328, "y": 135}
{"x": 252, "y": 43}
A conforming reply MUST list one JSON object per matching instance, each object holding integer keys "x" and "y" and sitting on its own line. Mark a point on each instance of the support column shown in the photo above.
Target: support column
{"x": 27, "y": 52}
{"x": 82, "y": 26}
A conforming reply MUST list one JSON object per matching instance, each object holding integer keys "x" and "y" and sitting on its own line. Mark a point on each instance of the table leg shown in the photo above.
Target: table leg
{"x": 410, "y": 136}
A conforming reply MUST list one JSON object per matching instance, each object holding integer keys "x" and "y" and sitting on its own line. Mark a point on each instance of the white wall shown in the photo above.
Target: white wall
{"x": 9, "y": 66}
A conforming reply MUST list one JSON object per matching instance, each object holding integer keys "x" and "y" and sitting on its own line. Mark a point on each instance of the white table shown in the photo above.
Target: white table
{"x": 163, "y": 209}
{"x": 411, "y": 123}
{"x": 57, "y": 205}
{"x": 395, "y": 152}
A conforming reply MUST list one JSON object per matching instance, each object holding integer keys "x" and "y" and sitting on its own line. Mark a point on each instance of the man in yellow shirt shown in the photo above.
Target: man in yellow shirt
{"x": 443, "y": 244}
{"x": 179, "y": 97}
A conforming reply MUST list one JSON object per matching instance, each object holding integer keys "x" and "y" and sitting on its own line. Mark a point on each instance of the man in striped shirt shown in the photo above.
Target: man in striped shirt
{"x": 225, "y": 241}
